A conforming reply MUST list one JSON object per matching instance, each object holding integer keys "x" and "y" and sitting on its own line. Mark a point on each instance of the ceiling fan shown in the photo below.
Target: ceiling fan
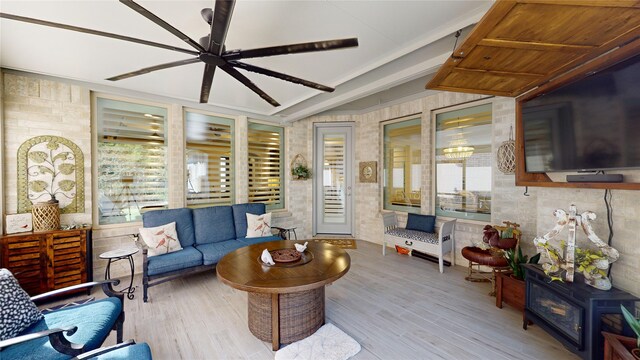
{"x": 210, "y": 49}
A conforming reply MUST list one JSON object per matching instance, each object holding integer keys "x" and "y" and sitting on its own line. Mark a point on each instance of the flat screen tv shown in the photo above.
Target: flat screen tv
{"x": 591, "y": 124}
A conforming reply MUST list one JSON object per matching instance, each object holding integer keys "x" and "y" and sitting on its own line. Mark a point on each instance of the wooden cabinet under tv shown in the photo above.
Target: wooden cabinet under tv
{"x": 49, "y": 260}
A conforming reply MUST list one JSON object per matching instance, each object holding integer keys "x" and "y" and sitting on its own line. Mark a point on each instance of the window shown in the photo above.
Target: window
{"x": 131, "y": 160}
{"x": 209, "y": 152}
{"x": 463, "y": 163}
{"x": 402, "y": 165}
{"x": 266, "y": 171}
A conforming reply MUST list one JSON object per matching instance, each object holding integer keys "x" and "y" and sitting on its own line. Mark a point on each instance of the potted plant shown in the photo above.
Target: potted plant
{"x": 301, "y": 172}
{"x": 510, "y": 285}
{"x": 635, "y": 326}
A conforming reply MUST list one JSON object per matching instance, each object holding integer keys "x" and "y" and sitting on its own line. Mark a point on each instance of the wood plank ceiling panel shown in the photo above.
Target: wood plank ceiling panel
{"x": 521, "y": 44}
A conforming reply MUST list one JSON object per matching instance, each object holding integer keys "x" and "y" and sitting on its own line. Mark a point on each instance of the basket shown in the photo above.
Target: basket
{"x": 299, "y": 160}
{"x": 46, "y": 216}
{"x": 506, "y": 155}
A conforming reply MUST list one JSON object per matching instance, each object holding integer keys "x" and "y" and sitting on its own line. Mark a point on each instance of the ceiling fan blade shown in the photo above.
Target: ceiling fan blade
{"x": 290, "y": 49}
{"x": 93, "y": 32}
{"x": 154, "y": 68}
{"x": 278, "y": 75}
{"x": 207, "y": 80}
{"x": 220, "y": 25}
{"x": 248, "y": 83}
{"x": 165, "y": 25}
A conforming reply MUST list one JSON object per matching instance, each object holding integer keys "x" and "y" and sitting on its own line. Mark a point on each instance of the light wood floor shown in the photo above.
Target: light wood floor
{"x": 396, "y": 307}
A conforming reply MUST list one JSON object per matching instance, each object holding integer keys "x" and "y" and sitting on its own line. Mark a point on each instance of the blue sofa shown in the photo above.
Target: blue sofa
{"x": 205, "y": 234}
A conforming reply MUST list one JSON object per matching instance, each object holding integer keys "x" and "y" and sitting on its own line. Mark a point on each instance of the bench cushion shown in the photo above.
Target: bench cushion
{"x": 182, "y": 259}
{"x": 94, "y": 321}
{"x": 431, "y": 238}
{"x": 213, "y": 224}
{"x": 213, "y": 252}
{"x": 240, "y": 216}
{"x": 419, "y": 222}
{"x": 182, "y": 217}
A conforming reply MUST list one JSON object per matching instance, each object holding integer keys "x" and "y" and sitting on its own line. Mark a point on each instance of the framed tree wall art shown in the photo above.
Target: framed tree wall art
{"x": 50, "y": 168}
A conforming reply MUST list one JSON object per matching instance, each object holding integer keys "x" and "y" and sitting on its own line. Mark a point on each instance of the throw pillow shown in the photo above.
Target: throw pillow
{"x": 258, "y": 225}
{"x": 426, "y": 223}
{"x": 161, "y": 239}
{"x": 18, "y": 311}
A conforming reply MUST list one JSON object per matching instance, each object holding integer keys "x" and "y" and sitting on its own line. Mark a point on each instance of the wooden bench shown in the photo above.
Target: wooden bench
{"x": 435, "y": 244}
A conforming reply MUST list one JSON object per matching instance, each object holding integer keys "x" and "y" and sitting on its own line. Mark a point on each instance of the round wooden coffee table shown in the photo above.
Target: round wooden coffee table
{"x": 286, "y": 302}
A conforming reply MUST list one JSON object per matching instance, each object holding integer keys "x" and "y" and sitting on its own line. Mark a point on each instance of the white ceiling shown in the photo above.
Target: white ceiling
{"x": 398, "y": 44}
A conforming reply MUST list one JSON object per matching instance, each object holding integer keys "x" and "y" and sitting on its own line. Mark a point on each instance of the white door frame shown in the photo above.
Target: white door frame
{"x": 349, "y": 172}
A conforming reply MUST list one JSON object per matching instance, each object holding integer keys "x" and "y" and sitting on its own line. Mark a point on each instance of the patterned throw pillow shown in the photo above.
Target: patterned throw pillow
{"x": 161, "y": 239}
{"x": 258, "y": 225}
{"x": 18, "y": 311}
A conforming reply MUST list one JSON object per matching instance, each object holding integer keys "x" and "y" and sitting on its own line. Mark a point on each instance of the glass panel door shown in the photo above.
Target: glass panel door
{"x": 333, "y": 181}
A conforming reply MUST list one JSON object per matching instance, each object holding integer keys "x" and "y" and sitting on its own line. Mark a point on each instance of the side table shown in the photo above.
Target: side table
{"x": 285, "y": 233}
{"x": 121, "y": 254}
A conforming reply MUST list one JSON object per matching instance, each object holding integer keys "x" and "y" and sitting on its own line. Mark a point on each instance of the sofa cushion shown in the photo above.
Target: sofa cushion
{"x": 18, "y": 311}
{"x": 182, "y": 217}
{"x": 419, "y": 222}
{"x": 182, "y": 259}
{"x": 94, "y": 321}
{"x": 161, "y": 239}
{"x": 240, "y": 216}
{"x": 213, "y": 224}
{"x": 213, "y": 252}
{"x": 257, "y": 240}
{"x": 258, "y": 225}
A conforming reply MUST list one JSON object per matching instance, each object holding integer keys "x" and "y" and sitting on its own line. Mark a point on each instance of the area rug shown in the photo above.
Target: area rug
{"x": 341, "y": 243}
{"x": 328, "y": 343}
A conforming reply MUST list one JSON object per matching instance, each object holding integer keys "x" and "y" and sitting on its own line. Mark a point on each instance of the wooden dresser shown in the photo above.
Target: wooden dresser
{"x": 49, "y": 260}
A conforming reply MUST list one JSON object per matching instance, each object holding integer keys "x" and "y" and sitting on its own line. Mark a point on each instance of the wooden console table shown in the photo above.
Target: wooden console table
{"x": 48, "y": 260}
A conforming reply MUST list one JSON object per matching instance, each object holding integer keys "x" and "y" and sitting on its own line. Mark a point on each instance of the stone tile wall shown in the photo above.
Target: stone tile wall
{"x": 241, "y": 156}
{"x": 33, "y": 106}
{"x": 368, "y": 147}
{"x": 533, "y": 212}
{"x": 2, "y": 212}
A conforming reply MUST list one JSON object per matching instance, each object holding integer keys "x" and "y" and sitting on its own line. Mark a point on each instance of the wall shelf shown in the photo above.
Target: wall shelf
{"x": 582, "y": 185}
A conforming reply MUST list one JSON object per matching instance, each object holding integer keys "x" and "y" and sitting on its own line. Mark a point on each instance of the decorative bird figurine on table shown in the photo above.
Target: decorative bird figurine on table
{"x": 266, "y": 257}
{"x": 301, "y": 248}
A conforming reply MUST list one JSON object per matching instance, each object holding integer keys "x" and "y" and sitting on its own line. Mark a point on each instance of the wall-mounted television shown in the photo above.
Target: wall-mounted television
{"x": 588, "y": 125}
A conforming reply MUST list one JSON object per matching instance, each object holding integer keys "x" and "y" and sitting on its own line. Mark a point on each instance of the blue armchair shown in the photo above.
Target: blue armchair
{"x": 69, "y": 331}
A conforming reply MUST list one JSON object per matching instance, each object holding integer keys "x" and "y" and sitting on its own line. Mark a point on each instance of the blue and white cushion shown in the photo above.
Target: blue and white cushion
{"x": 416, "y": 235}
{"x": 18, "y": 311}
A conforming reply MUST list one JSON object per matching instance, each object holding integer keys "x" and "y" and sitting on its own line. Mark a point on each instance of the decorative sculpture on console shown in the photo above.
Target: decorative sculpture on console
{"x": 593, "y": 264}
